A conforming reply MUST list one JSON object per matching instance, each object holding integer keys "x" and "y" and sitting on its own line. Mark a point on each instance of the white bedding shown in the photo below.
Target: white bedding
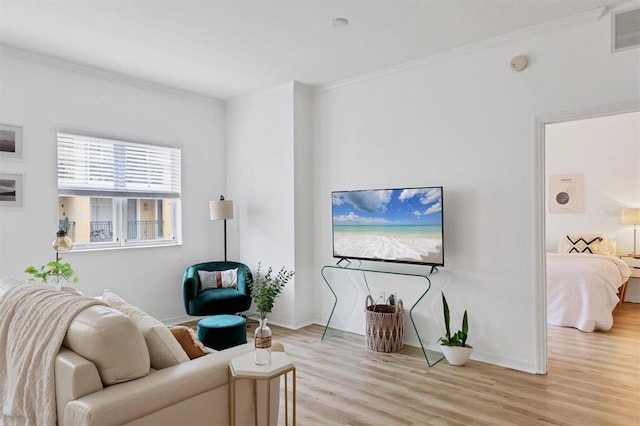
{"x": 582, "y": 289}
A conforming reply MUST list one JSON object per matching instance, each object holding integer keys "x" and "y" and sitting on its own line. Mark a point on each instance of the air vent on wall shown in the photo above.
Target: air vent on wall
{"x": 625, "y": 30}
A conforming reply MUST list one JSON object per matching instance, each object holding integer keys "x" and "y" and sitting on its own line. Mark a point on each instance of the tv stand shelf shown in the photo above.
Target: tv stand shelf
{"x": 435, "y": 356}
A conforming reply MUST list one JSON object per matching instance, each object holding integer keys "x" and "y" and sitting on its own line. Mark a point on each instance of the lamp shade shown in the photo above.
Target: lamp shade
{"x": 631, "y": 216}
{"x": 221, "y": 209}
{"x": 62, "y": 242}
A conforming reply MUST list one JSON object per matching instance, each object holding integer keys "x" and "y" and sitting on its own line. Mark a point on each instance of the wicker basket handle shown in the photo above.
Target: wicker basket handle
{"x": 399, "y": 306}
{"x": 368, "y": 302}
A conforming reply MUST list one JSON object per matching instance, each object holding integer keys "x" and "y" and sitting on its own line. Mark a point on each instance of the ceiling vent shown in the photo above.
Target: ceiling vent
{"x": 626, "y": 30}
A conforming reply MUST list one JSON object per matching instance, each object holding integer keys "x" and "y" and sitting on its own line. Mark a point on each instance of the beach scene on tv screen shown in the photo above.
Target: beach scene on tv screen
{"x": 402, "y": 225}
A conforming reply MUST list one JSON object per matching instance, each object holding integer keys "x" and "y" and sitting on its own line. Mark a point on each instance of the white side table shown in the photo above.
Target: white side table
{"x": 244, "y": 367}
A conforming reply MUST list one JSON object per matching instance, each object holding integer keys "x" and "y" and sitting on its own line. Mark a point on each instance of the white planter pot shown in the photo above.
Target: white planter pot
{"x": 456, "y": 355}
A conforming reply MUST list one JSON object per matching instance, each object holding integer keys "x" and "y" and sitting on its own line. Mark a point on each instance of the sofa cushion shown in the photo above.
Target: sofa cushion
{"x": 164, "y": 349}
{"x": 111, "y": 341}
{"x": 189, "y": 341}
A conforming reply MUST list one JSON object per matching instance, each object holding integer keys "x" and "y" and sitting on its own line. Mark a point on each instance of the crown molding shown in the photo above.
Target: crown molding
{"x": 557, "y": 25}
{"x": 65, "y": 65}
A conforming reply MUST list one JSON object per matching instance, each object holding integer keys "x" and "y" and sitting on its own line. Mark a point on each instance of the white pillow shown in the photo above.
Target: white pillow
{"x": 7, "y": 283}
{"x": 108, "y": 297}
{"x": 218, "y": 279}
{"x": 608, "y": 246}
{"x": 586, "y": 243}
{"x": 164, "y": 349}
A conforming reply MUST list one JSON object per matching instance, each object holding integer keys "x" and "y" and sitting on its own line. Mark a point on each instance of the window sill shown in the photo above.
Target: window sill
{"x": 108, "y": 246}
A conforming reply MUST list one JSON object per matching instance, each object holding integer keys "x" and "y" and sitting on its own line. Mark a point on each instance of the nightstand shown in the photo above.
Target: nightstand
{"x": 634, "y": 264}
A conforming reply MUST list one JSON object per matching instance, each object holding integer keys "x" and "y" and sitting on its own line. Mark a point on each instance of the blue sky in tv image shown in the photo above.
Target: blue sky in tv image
{"x": 403, "y": 225}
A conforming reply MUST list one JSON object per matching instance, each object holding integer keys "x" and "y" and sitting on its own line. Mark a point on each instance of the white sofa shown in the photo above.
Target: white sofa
{"x": 103, "y": 377}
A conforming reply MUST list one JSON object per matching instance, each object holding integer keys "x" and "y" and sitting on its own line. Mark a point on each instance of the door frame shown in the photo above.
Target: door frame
{"x": 539, "y": 237}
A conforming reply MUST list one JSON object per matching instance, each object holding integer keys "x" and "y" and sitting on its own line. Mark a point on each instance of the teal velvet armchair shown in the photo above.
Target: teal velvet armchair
{"x": 215, "y": 301}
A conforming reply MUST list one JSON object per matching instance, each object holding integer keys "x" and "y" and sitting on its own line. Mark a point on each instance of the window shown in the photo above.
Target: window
{"x": 113, "y": 193}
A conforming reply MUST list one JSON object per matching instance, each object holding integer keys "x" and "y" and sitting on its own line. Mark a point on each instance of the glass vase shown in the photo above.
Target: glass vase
{"x": 263, "y": 342}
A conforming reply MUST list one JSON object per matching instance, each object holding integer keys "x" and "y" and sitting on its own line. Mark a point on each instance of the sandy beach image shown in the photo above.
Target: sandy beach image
{"x": 400, "y": 243}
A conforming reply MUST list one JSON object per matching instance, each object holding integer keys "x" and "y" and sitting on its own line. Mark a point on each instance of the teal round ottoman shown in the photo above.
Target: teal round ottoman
{"x": 222, "y": 331}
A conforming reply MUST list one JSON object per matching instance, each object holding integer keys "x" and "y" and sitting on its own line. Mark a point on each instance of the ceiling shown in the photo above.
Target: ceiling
{"x": 225, "y": 48}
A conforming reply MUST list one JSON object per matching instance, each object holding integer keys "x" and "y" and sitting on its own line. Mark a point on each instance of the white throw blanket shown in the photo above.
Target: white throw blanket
{"x": 33, "y": 322}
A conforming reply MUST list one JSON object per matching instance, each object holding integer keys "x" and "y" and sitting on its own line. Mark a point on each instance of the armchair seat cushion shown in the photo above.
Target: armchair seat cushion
{"x": 220, "y": 300}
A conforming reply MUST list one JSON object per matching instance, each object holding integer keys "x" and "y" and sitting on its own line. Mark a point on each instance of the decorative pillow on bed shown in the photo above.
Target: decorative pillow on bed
{"x": 608, "y": 246}
{"x": 218, "y": 279}
{"x": 586, "y": 243}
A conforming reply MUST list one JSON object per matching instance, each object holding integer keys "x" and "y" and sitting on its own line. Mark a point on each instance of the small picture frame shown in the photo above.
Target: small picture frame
{"x": 10, "y": 141}
{"x": 11, "y": 190}
{"x": 566, "y": 193}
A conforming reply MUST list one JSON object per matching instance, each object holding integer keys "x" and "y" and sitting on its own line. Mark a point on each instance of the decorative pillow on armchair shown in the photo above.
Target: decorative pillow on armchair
{"x": 218, "y": 279}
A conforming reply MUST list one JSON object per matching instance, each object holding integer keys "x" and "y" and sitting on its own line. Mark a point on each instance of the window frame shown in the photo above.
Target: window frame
{"x": 164, "y": 169}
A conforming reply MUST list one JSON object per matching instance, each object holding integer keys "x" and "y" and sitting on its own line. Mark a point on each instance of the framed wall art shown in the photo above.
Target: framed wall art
{"x": 566, "y": 193}
{"x": 10, "y": 141}
{"x": 11, "y": 190}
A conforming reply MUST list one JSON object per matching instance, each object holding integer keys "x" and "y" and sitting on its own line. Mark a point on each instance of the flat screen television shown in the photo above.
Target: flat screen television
{"x": 389, "y": 225}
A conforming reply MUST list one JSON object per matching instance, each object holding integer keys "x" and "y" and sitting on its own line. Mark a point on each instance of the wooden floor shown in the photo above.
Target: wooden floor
{"x": 593, "y": 379}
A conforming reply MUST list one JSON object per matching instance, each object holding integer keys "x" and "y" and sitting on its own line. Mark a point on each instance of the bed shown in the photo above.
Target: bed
{"x": 583, "y": 282}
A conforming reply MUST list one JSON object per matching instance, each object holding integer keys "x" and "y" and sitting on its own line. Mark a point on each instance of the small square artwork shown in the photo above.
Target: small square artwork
{"x": 566, "y": 193}
{"x": 10, "y": 141}
{"x": 10, "y": 190}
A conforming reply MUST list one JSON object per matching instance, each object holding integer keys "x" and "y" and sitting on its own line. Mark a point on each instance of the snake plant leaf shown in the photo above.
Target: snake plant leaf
{"x": 447, "y": 317}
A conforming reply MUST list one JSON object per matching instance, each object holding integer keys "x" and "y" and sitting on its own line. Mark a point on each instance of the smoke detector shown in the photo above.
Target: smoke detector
{"x": 519, "y": 63}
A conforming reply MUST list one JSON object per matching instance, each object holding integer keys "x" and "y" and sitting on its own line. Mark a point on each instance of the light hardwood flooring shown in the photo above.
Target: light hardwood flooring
{"x": 593, "y": 379}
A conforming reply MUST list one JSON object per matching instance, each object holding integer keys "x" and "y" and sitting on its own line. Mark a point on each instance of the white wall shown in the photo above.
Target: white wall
{"x": 466, "y": 121}
{"x": 269, "y": 173}
{"x": 607, "y": 151}
{"x": 260, "y": 159}
{"x": 41, "y": 97}
{"x": 304, "y": 311}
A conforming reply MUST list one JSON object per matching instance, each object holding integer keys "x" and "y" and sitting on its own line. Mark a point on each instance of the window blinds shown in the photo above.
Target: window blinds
{"x": 92, "y": 166}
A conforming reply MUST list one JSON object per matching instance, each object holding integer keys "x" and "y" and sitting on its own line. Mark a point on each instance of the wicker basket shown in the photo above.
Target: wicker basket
{"x": 385, "y": 326}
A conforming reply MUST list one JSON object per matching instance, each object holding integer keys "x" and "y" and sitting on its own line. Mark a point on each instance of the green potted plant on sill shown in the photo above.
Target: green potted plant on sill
{"x": 264, "y": 292}
{"x": 454, "y": 347}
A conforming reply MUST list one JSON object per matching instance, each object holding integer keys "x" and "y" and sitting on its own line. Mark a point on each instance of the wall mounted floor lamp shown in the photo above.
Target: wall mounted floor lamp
{"x": 632, "y": 217}
{"x": 221, "y": 210}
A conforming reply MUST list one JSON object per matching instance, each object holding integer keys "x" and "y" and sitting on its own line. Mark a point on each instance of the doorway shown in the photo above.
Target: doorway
{"x": 598, "y": 145}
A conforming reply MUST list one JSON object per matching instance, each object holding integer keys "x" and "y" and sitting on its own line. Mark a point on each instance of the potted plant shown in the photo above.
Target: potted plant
{"x": 454, "y": 347}
{"x": 263, "y": 293}
{"x": 53, "y": 272}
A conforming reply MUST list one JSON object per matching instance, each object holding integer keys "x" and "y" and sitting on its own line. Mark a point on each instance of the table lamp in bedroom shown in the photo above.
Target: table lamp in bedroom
{"x": 632, "y": 217}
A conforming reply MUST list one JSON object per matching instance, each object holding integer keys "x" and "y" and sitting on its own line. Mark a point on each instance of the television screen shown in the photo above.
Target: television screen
{"x": 389, "y": 225}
